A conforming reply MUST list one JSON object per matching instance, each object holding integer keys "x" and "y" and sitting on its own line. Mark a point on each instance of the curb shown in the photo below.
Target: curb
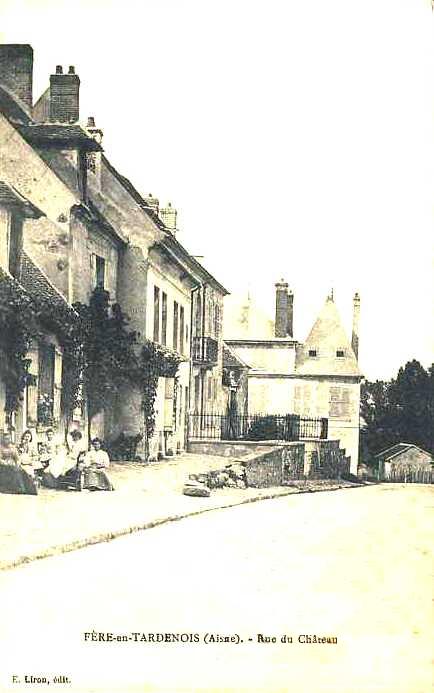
{"x": 109, "y": 536}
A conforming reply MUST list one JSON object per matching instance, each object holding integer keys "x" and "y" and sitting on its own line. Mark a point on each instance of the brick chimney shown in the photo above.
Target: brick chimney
{"x": 356, "y": 320}
{"x": 64, "y": 96}
{"x": 153, "y": 202}
{"x": 290, "y": 318}
{"x": 16, "y": 71}
{"x": 94, "y": 132}
{"x": 168, "y": 217}
{"x": 281, "y": 321}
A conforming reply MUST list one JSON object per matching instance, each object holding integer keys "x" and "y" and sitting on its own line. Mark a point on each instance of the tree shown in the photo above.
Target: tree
{"x": 399, "y": 410}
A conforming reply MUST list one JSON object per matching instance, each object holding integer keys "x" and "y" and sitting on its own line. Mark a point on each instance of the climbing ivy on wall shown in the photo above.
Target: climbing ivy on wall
{"x": 100, "y": 354}
{"x": 155, "y": 362}
{"x": 22, "y": 319}
{"x": 108, "y": 351}
{"x": 18, "y": 326}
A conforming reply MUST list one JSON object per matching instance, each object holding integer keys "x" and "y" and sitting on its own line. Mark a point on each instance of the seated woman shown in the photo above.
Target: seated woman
{"x": 48, "y": 448}
{"x": 65, "y": 459}
{"x": 13, "y": 478}
{"x": 28, "y": 458}
{"x": 94, "y": 462}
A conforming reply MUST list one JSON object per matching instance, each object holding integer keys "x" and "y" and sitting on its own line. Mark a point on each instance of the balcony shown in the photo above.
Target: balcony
{"x": 204, "y": 351}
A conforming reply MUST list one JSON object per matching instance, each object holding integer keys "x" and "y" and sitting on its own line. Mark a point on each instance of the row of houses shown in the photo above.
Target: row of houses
{"x": 70, "y": 223}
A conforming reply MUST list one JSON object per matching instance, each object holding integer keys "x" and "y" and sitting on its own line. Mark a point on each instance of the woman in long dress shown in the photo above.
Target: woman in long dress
{"x": 13, "y": 478}
{"x": 65, "y": 459}
{"x": 28, "y": 457}
{"x": 94, "y": 464}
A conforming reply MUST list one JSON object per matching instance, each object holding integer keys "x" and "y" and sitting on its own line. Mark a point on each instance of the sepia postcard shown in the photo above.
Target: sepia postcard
{"x": 216, "y": 346}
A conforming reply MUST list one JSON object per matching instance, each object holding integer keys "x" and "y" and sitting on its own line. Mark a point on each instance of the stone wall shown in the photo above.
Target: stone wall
{"x": 228, "y": 448}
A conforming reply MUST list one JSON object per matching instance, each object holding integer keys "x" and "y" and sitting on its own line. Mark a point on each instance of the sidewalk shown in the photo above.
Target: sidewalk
{"x": 53, "y": 522}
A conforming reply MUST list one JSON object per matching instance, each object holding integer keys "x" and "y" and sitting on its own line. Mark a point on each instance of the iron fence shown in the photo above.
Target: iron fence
{"x": 287, "y": 427}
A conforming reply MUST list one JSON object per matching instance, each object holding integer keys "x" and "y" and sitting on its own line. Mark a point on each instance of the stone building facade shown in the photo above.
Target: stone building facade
{"x": 86, "y": 226}
{"x": 317, "y": 378}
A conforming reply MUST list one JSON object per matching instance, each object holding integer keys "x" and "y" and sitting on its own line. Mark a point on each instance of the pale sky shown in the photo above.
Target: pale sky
{"x": 295, "y": 138}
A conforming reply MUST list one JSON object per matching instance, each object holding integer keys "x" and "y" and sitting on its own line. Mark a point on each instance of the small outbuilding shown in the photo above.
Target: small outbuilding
{"x": 403, "y": 458}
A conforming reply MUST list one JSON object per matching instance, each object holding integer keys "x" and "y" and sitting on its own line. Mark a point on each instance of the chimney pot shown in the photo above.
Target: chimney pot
{"x": 59, "y": 70}
{"x": 71, "y": 70}
{"x": 91, "y": 122}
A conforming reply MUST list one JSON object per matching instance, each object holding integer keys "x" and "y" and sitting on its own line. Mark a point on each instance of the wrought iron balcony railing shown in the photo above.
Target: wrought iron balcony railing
{"x": 204, "y": 350}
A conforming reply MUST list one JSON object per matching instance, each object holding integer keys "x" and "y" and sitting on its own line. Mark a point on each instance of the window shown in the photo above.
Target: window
{"x": 302, "y": 400}
{"x": 164, "y": 318}
{"x": 313, "y": 353}
{"x": 14, "y": 244}
{"x": 181, "y": 329}
{"x": 339, "y": 403}
{"x": 46, "y": 383}
{"x": 156, "y": 314}
{"x": 340, "y": 353}
{"x": 99, "y": 272}
{"x": 198, "y": 320}
{"x": 175, "y": 325}
{"x": 216, "y": 321}
{"x": 180, "y": 406}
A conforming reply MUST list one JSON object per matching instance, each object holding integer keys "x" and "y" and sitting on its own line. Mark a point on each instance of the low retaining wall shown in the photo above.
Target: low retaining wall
{"x": 228, "y": 448}
{"x": 272, "y": 463}
{"x": 274, "y": 467}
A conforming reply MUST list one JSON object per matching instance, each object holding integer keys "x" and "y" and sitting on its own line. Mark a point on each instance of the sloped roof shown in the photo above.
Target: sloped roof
{"x": 244, "y": 318}
{"x": 12, "y": 107}
{"x": 34, "y": 281}
{"x": 126, "y": 183}
{"x": 169, "y": 240}
{"x": 10, "y": 197}
{"x": 326, "y": 337}
{"x": 231, "y": 359}
{"x": 396, "y": 450}
{"x": 59, "y": 135}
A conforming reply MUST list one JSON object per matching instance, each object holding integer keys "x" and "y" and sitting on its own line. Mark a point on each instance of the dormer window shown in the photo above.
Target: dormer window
{"x": 313, "y": 353}
{"x": 340, "y": 353}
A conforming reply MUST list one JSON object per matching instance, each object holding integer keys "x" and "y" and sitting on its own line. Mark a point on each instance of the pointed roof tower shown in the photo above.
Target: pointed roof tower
{"x": 327, "y": 350}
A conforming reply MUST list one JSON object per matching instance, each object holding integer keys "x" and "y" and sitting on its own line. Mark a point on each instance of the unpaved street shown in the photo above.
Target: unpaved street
{"x": 353, "y": 566}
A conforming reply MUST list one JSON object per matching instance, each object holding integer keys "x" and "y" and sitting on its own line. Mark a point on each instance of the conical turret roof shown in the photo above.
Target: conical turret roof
{"x": 327, "y": 350}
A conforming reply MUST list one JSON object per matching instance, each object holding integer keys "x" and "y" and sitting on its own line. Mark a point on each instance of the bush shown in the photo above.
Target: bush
{"x": 264, "y": 428}
{"x": 124, "y": 448}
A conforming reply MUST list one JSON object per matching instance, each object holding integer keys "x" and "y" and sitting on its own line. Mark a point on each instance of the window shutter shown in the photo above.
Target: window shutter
{"x": 93, "y": 270}
{"x": 32, "y": 389}
{"x": 297, "y": 399}
{"x": 345, "y": 402}
{"x": 335, "y": 396}
{"x": 57, "y": 390}
{"x": 169, "y": 395}
{"x": 307, "y": 401}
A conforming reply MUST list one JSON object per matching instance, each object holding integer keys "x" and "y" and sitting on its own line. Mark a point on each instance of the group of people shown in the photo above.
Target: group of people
{"x": 52, "y": 463}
